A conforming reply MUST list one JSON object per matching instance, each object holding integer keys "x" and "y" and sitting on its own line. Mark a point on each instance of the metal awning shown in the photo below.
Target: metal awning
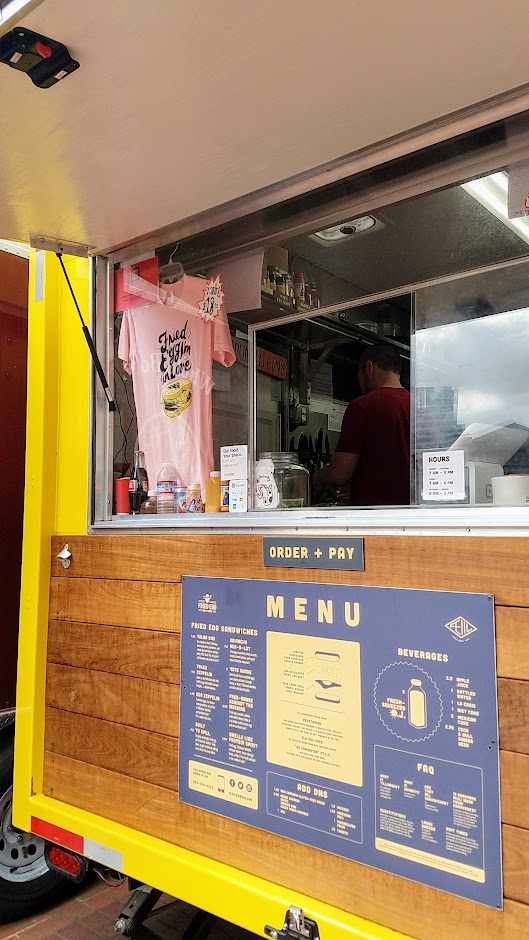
{"x": 180, "y": 107}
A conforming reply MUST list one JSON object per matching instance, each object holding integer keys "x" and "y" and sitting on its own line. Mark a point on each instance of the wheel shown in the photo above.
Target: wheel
{"x": 26, "y": 882}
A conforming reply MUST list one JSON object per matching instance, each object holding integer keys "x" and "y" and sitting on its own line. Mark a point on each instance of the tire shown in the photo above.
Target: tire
{"x": 26, "y": 882}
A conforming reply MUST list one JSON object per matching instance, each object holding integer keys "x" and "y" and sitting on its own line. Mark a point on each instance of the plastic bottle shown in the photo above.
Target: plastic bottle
{"x": 213, "y": 492}
{"x": 166, "y": 488}
{"x": 417, "y": 705}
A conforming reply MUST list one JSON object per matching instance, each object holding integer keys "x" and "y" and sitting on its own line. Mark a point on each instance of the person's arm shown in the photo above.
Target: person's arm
{"x": 348, "y": 449}
{"x": 338, "y": 473}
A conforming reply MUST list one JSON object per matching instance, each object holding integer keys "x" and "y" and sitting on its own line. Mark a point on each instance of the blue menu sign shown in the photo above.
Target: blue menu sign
{"x": 358, "y": 720}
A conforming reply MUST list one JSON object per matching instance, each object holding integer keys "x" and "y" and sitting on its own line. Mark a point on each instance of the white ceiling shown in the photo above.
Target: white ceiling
{"x": 180, "y": 106}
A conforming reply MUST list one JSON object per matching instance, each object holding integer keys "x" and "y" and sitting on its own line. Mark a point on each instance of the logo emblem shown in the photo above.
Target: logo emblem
{"x": 461, "y": 629}
{"x": 207, "y": 605}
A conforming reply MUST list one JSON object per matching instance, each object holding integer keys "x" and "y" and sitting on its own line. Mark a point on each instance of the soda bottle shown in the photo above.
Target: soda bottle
{"x": 138, "y": 483}
{"x": 166, "y": 483}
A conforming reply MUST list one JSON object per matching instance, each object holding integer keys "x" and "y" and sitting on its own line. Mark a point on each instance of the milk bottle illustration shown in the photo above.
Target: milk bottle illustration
{"x": 417, "y": 705}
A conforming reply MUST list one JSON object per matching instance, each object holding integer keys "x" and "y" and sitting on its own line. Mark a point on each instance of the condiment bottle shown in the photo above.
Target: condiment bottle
{"x": 316, "y": 302}
{"x": 213, "y": 492}
{"x": 299, "y": 286}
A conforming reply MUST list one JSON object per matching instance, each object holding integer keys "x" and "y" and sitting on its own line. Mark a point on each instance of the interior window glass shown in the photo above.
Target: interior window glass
{"x": 470, "y": 355}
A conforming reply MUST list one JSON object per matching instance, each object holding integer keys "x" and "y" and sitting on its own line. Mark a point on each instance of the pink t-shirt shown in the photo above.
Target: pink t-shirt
{"x": 168, "y": 347}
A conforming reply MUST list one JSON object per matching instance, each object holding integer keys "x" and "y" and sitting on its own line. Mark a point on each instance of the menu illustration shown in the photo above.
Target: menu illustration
{"x": 358, "y": 720}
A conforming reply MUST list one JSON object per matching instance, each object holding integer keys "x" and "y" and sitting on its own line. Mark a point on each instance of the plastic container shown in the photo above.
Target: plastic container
{"x": 150, "y": 506}
{"x": 213, "y": 492}
{"x": 511, "y": 490}
{"x": 280, "y": 482}
{"x": 121, "y": 490}
{"x": 166, "y": 489}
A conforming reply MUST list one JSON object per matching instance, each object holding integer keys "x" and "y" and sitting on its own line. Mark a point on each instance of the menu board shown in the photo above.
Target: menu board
{"x": 358, "y": 720}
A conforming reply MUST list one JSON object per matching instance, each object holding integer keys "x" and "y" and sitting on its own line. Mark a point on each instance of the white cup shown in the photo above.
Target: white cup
{"x": 511, "y": 490}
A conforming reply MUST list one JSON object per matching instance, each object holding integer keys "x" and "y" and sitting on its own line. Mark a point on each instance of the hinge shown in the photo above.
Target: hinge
{"x": 295, "y": 927}
{"x": 60, "y": 245}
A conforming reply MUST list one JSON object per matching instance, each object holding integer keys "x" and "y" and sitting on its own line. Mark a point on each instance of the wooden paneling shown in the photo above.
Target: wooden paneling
{"x": 513, "y": 711}
{"x": 512, "y": 642}
{"x": 142, "y": 604}
{"x": 516, "y": 863}
{"x": 145, "y": 654}
{"x": 153, "y": 705}
{"x": 155, "y": 608}
{"x": 153, "y": 757}
{"x": 411, "y": 908}
{"x": 139, "y": 703}
{"x": 489, "y": 565}
{"x": 145, "y": 755}
{"x": 514, "y": 785}
{"x": 112, "y": 709}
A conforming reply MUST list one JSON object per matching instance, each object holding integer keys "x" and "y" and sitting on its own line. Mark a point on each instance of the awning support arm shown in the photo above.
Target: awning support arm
{"x": 93, "y": 351}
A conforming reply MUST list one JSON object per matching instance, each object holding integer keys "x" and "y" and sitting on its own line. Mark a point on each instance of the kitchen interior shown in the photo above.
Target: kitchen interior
{"x": 464, "y": 340}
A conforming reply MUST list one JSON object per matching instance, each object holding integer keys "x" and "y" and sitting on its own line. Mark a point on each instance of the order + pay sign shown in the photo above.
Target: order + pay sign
{"x": 358, "y": 720}
{"x": 314, "y": 552}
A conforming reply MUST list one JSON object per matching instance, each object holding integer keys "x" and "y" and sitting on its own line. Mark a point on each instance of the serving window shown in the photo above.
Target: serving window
{"x": 232, "y": 377}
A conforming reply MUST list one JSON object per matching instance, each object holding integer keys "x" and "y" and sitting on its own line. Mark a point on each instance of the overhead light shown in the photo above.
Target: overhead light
{"x": 15, "y": 248}
{"x": 345, "y": 229}
{"x": 492, "y": 192}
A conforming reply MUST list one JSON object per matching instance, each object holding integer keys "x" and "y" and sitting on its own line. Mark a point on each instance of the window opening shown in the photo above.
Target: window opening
{"x": 461, "y": 332}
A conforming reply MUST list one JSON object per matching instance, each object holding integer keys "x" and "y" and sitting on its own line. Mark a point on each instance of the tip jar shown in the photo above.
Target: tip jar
{"x": 280, "y": 482}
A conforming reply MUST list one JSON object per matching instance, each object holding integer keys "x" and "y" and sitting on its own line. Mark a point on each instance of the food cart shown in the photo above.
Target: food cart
{"x": 288, "y": 715}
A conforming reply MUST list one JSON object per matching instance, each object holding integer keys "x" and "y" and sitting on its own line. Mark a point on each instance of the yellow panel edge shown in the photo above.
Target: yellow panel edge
{"x": 56, "y": 485}
{"x": 225, "y": 891}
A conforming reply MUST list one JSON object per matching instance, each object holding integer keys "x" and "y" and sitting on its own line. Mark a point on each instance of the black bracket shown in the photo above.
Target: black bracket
{"x": 89, "y": 341}
{"x": 295, "y": 927}
{"x": 137, "y": 908}
{"x": 44, "y": 60}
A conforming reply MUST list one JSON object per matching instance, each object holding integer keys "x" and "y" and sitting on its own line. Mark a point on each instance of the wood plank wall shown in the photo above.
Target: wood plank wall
{"x": 112, "y": 709}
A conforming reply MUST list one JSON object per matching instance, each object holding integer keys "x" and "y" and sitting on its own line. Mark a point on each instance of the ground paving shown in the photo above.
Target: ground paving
{"x": 89, "y": 913}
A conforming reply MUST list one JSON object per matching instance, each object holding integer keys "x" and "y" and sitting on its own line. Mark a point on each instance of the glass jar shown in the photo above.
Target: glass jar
{"x": 280, "y": 482}
{"x": 150, "y": 504}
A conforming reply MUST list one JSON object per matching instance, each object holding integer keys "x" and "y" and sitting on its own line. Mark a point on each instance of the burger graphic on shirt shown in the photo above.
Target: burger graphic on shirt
{"x": 176, "y": 397}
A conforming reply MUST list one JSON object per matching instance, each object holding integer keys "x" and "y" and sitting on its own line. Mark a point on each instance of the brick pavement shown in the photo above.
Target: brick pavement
{"x": 90, "y": 911}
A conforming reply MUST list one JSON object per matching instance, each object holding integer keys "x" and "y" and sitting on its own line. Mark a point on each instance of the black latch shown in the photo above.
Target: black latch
{"x": 44, "y": 60}
{"x": 296, "y": 927}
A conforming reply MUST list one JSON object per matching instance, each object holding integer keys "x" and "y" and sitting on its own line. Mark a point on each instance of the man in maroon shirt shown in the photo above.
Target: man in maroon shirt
{"x": 373, "y": 451}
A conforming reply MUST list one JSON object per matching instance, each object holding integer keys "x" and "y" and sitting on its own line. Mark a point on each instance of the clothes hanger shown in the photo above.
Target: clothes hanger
{"x": 171, "y": 272}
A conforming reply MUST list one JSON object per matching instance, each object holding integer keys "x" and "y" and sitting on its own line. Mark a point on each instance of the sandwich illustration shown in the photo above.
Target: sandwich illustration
{"x": 176, "y": 397}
